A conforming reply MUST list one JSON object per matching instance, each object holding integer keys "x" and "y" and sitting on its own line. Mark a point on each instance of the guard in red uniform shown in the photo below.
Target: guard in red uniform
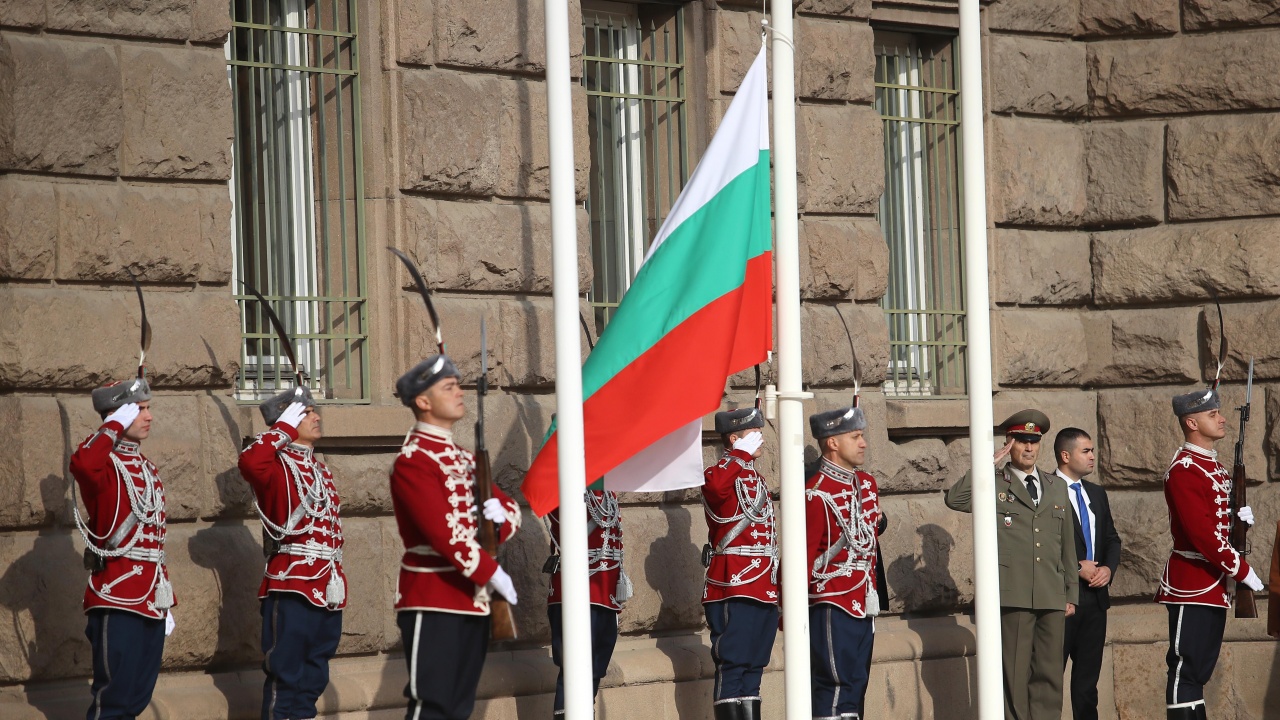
{"x": 129, "y": 598}
{"x": 446, "y": 578}
{"x": 740, "y": 595}
{"x": 842, "y": 514}
{"x": 303, "y": 588}
{"x": 1200, "y": 576}
{"x": 608, "y": 583}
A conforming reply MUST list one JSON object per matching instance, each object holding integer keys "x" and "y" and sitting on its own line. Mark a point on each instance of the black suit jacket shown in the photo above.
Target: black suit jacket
{"x": 1106, "y": 541}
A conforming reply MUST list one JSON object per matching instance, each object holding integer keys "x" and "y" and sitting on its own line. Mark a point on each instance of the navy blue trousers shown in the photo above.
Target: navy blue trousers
{"x": 604, "y": 636}
{"x": 126, "y": 662}
{"x": 840, "y": 646}
{"x": 1195, "y": 639}
{"x": 298, "y": 640}
{"x": 742, "y": 635}
{"x": 445, "y": 653}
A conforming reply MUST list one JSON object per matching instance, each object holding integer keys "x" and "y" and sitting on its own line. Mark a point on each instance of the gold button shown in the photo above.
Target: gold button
{"x": 1037, "y": 529}
{"x": 1037, "y": 544}
{"x": 1037, "y": 559}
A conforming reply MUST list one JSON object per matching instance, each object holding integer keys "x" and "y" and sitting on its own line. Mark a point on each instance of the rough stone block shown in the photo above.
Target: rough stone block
{"x": 177, "y": 119}
{"x": 165, "y": 19}
{"x": 738, "y": 41}
{"x": 526, "y": 342}
{"x": 525, "y": 161}
{"x": 664, "y": 547}
{"x": 928, "y": 555}
{"x": 150, "y": 229}
{"x": 1039, "y": 16}
{"x": 515, "y": 424}
{"x": 368, "y": 546}
{"x": 1040, "y": 347}
{"x": 1124, "y": 163}
{"x": 1223, "y": 166}
{"x": 1027, "y": 192}
{"x": 1272, "y": 434}
{"x": 1185, "y": 73}
{"x": 843, "y": 8}
{"x": 488, "y": 247}
{"x": 1128, "y": 17}
{"x": 839, "y": 164}
{"x": 63, "y": 109}
{"x": 223, "y": 429}
{"x": 28, "y": 228}
{"x": 451, "y": 110}
{"x": 1131, "y": 347}
{"x": 1249, "y": 330}
{"x": 186, "y": 351}
{"x": 828, "y": 361}
{"x": 1042, "y": 268}
{"x": 1065, "y": 408}
{"x": 1235, "y": 257}
{"x": 362, "y": 479}
{"x": 1207, "y": 14}
{"x": 503, "y": 35}
{"x": 415, "y": 32}
{"x": 1038, "y": 76}
{"x": 210, "y": 21}
{"x": 835, "y": 59}
{"x": 461, "y": 318}
{"x": 20, "y": 13}
{"x": 41, "y": 621}
{"x": 843, "y": 258}
{"x": 1142, "y": 519}
{"x": 32, "y": 462}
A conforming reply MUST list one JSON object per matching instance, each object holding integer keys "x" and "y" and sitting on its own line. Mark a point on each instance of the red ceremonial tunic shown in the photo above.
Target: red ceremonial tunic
{"x": 299, "y": 508}
{"x": 433, "y": 495}
{"x": 741, "y": 532}
{"x": 126, "y": 526}
{"x": 842, "y": 511}
{"x": 609, "y": 585}
{"x": 1198, "y": 491}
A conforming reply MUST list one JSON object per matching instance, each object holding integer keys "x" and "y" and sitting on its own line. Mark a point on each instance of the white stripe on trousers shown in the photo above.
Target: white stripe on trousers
{"x": 97, "y": 698}
{"x": 413, "y": 665}
{"x": 1177, "y": 650}
{"x": 835, "y": 675}
{"x": 275, "y": 642}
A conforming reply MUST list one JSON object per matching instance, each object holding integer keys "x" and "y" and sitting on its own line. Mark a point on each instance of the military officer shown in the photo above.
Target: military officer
{"x": 129, "y": 599}
{"x": 842, "y": 516}
{"x": 1038, "y": 581}
{"x": 608, "y": 584}
{"x": 1200, "y": 575}
{"x": 303, "y": 588}
{"x": 740, "y": 593}
{"x": 446, "y": 578}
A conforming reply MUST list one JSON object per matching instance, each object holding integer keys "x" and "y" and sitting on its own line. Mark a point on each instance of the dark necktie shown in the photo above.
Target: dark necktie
{"x": 1031, "y": 489}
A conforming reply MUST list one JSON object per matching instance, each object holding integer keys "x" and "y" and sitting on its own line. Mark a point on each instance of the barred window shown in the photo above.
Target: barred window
{"x": 297, "y": 189}
{"x": 635, "y": 77}
{"x": 920, "y": 214}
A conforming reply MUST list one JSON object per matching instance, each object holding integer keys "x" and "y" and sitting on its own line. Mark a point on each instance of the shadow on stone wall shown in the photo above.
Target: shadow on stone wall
{"x": 1271, "y": 701}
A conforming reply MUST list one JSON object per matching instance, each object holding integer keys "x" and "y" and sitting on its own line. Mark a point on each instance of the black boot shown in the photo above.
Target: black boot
{"x": 1185, "y": 712}
{"x": 751, "y": 709}
{"x": 730, "y": 710}
{"x": 1202, "y": 712}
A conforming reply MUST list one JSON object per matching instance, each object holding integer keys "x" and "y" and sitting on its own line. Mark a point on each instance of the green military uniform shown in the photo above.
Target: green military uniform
{"x": 1038, "y": 578}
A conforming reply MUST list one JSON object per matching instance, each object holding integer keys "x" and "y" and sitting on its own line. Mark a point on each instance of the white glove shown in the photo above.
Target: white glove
{"x": 494, "y": 511}
{"x": 501, "y": 584}
{"x": 1246, "y": 514}
{"x": 749, "y": 443}
{"x": 1251, "y": 581}
{"x": 125, "y": 415}
{"x": 292, "y": 415}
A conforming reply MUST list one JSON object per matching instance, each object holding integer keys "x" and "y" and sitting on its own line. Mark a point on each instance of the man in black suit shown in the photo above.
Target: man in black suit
{"x": 1098, "y": 553}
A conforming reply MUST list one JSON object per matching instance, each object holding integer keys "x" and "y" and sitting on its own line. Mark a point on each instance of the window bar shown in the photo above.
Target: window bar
{"x": 362, "y": 311}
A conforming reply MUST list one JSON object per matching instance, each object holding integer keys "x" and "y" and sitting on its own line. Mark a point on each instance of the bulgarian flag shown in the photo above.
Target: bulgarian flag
{"x": 699, "y": 310}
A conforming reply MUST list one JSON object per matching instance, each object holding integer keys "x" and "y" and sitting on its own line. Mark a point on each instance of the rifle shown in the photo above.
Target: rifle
{"x": 502, "y": 625}
{"x": 1246, "y": 606}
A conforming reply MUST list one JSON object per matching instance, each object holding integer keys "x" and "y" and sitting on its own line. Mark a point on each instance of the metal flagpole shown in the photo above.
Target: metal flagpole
{"x": 795, "y": 588}
{"x": 578, "y": 702}
{"x": 981, "y": 420}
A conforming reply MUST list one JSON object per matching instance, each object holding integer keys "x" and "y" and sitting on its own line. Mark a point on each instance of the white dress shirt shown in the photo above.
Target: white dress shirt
{"x": 1088, "y": 507}
{"x": 1035, "y": 480}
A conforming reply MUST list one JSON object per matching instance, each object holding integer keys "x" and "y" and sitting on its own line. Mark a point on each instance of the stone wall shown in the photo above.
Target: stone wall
{"x": 1121, "y": 137}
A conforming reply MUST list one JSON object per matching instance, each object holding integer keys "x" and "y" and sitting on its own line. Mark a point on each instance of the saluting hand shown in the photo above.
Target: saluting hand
{"x": 125, "y": 415}
{"x": 1003, "y": 452}
{"x": 749, "y": 443}
{"x": 293, "y": 415}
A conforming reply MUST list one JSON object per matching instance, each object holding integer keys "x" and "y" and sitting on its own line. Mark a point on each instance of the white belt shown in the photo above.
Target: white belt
{"x": 154, "y": 555}
{"x": 312, "y": 552}
{"x": 423, "y": 550}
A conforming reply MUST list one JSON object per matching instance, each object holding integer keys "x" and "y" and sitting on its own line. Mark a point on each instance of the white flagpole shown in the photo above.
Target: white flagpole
{"x": 571, "y": 460}
{"x": 786, "y": 224}
{"x": 981, "y": 420}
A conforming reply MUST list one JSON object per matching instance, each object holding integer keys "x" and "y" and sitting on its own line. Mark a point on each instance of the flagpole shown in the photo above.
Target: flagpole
{"x": 795, "y": 588}
{"x": 571, "y": 460}
{"x": 981, "y": 420}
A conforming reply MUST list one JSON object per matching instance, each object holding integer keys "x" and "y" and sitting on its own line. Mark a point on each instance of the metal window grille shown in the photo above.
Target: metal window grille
{"x": 634, "y": 74}
{"x": 920, "y": 214}
{"x": 298, "y": 188}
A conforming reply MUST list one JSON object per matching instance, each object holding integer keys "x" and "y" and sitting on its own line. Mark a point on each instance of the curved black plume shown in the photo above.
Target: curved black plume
{"x": 145, "y": 343}
{"x": 1222, "y": 346}
{"x": 425, "y": 292}
{"x": 285, "y": 343}
{"x": 857, "y": 368}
